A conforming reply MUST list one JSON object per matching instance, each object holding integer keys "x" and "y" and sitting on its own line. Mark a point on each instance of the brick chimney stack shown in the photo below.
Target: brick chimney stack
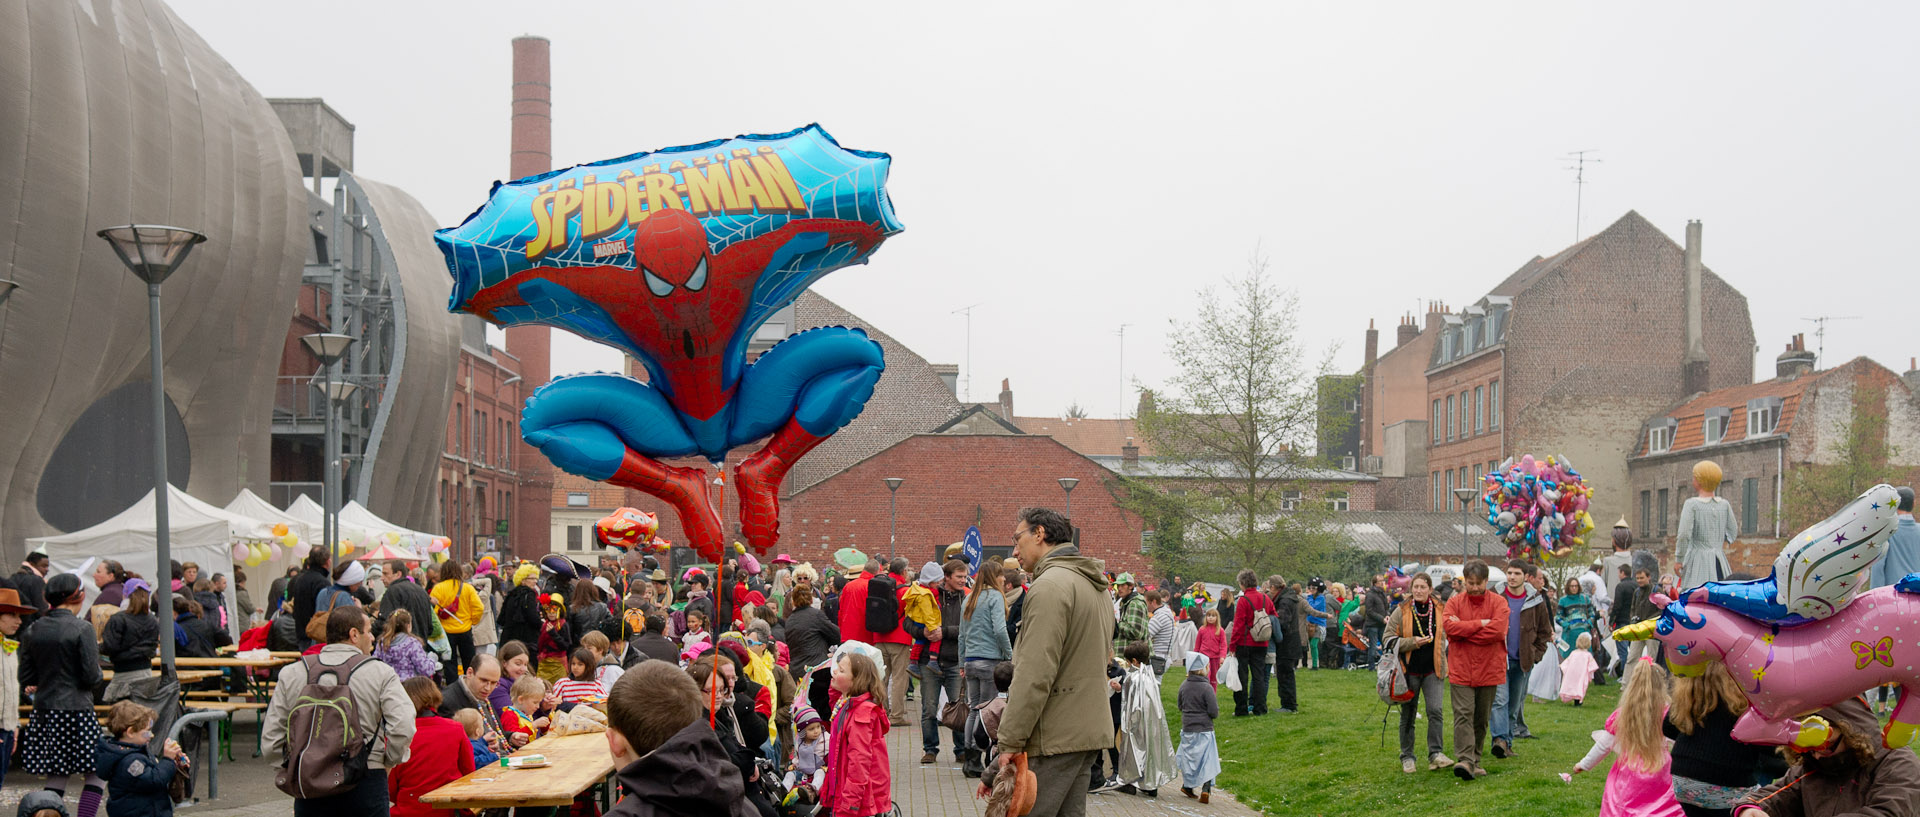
{"x": 1365, "y": 397}
{"x": 1912, "y": 375}
{"x": 1795, "y": 361}
{"x": 1406, "y": 332}
{"x": 1436, "y": 311}
{"x": 532, "y": 153}
{"x": 1693, "y": 366}
{"x": 1006, "y": 401}
{"x": 1129, "y": 453}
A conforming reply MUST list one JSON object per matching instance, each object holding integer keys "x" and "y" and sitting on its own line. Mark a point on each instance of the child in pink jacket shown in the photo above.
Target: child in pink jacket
{"x": 1211, "y": 642}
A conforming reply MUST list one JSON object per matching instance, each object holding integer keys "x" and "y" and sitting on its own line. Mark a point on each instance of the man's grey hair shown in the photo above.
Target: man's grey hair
{"x": 898, "y": 565}
{"x": 874, "y": 566}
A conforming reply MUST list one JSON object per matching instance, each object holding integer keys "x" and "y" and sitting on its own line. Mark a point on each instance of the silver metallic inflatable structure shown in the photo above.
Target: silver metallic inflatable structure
{"x": 115, "y": 112}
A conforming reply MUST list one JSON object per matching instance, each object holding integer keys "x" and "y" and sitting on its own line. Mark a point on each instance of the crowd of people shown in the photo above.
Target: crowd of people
{"x": 771, "y": 688}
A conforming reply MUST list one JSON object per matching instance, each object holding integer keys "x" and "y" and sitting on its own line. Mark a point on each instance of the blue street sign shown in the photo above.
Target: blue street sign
{"x": 971, "y": 550}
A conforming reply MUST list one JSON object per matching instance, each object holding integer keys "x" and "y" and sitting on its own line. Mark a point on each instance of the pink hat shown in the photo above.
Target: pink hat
{"x": 783, "y": 559}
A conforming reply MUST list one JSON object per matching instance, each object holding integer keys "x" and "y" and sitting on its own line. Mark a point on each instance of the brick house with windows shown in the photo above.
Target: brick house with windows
{"x": 479, "y": 473}
{"x": 1759, "y": 434}
{"x": 1568, "y": 355}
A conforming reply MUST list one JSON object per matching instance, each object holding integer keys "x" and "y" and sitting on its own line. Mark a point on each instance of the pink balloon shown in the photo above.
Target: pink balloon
{"x": 1789, "y": 673}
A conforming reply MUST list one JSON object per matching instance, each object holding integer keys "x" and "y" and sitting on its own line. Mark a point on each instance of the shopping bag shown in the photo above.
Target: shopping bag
{"x": 1229, "y": 673}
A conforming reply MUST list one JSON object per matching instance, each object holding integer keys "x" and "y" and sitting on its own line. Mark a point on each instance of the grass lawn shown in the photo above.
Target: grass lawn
{"x": 1329, "y": 758}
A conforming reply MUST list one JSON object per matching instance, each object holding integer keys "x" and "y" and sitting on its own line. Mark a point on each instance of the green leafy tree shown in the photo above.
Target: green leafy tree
{"x": 1233, "y": 433}
{"x": 1859, "y": 458}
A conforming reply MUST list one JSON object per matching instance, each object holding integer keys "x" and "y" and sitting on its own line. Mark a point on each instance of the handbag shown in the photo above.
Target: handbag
{"x": 316, "y": 628}
{"x": 954, "y": 714}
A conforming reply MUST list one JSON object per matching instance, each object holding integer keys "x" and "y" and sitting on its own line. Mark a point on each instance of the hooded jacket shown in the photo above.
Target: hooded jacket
{"x": 859, "y": 775}
{"x": 136, "y": 782}
{"x": 688, "y": 776}
{"x": 1058, "y": 702}
{"x": 1889, "y": 786}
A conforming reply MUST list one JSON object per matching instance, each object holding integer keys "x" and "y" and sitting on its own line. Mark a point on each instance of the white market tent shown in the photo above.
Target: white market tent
{"x": 360, "y": 525}
{"x": 197, "y": 532}
{"x": 260, "y": 577}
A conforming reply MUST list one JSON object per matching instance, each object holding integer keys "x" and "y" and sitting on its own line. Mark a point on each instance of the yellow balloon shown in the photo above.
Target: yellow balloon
{"x": 289, "y": 541}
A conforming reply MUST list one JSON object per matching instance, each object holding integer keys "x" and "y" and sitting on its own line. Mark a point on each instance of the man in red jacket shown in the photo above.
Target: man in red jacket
{"x": 894, "y": 645}
{"x": 1476, "y": 625}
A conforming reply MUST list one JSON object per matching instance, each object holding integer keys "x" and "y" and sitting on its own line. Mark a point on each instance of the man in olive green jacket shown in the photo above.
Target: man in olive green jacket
{"x": 1057, "y": 706}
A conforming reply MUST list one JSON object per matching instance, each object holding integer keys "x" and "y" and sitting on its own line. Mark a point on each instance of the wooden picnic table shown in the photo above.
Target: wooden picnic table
{"x": 186, "y": 676}
{"x": 207, "y": 663}
{"x": 575, "y": 764}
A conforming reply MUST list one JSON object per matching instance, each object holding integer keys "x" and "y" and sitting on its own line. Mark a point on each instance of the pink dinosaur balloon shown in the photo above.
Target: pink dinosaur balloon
{"x": 1792, "y": 672}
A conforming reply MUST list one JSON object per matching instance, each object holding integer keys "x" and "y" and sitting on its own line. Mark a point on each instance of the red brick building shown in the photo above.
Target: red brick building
{"x": 1568, "y": 355}
{"x": 1760, "y": 434}
{"x": 951, "y": 482}
{"x": 484, "y": 464}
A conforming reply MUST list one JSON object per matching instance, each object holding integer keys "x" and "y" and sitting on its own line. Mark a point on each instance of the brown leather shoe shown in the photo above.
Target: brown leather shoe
{"x": 928, "y": 758}
{"x": 1205, "y": 796}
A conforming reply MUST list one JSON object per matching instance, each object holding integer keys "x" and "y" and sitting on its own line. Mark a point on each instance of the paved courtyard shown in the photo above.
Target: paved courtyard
{"x": 936, "y": 790}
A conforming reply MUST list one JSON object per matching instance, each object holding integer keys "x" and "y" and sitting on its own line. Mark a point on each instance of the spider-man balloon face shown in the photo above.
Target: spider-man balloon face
{"x": 670, "y": 250}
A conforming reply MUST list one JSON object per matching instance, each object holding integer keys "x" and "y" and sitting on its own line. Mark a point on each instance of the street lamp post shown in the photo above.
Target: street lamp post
{"x": 893, "y": 516}
{"x": 330, "y": 347}
{"x": 1466, "y": 496}
{"x": 152, "y": 253}
{"x": 1066, "y": 484}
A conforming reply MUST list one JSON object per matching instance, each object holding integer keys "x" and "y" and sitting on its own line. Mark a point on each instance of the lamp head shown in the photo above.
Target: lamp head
{"x": 893, "y": 483}
{"x": 151, "y": 251}
{"x": 328, "y": 346}
{"x": 1068, "y": 483}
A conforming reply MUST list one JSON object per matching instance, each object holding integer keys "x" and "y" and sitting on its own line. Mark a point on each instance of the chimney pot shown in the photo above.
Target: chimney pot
{"x": 1795, "y": 361}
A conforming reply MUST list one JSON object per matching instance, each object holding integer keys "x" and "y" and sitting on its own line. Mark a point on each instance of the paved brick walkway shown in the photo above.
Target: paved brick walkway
{"x": 939, "y": 790}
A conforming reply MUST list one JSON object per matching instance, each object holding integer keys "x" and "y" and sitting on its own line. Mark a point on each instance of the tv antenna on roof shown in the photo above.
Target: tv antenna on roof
{"x": 1579, "y": 168}
{"x": 1820, "y": 334}
{"x": 967, "y": 380}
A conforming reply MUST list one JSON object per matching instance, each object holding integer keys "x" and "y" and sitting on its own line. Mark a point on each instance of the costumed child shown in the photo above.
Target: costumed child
{"x": 1577, "y": 669}
{"x": 579, "y": 686}
{"x": 469, "y": 720}
{"x": 1199, "y": 756}
{"x": 518, "y": 718}
{"x": 556, "y": 639}
{"x": 696, "y": 628}
{"x": 1146, "y": 752}
{"x": 859, "y": 779}
{"x": 136, "y": 782}
{"x": 809, "y": 766}
{"x": 1640, "y": 784}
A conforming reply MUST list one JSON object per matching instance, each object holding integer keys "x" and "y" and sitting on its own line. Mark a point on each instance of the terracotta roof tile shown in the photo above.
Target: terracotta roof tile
{"x": 1690, "y": 431}
{"x": 1089, "y": 437}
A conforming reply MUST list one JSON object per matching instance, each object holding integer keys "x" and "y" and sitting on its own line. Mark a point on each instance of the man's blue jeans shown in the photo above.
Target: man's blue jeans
{"x": 1510, "y": 703}
{"x": 936, "y": 675}
{"x": 1374, "y": 637}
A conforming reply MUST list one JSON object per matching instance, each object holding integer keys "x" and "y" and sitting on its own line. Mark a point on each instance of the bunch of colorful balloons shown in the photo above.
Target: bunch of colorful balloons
{"x": 1537, "y": 508}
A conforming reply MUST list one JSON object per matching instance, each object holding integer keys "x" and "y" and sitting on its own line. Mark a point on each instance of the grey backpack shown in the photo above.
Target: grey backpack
{"x": 326, "y": 748}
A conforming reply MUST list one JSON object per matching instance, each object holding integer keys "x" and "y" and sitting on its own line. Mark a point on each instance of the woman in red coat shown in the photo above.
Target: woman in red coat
{"x": 859, "y": 780}
{"x": 439, "y": 754}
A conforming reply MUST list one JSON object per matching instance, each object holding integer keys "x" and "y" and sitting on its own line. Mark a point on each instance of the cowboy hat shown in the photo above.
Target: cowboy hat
{"x": 10, "y": 602}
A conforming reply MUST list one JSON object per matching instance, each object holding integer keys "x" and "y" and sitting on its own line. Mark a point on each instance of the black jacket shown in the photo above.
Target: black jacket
{"x": 58, "y": 655}
{"x": 595, "y": 616}
{"x": 1291, "y": 620}
{"x": 520, "y": 617}
{"x": 653, "y": 646}
{"x": 136, "y": 782}
{"x": 685, "y": 777}
{"x": 305, "y": 589}
{"x": 405, "y": 595}
{"x": 198, "y": 637}
{"x": 455, "y": 697}
{"x": 1378, "y": 605}
{"x": 283, "y": 635}
{"x": 1622, "y": 613}
{"x": 810, "y": 636}
{"x": 129, "y": 641}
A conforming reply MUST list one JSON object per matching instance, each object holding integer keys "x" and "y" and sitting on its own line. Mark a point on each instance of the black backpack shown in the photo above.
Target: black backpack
{"x": 883, "y": 605}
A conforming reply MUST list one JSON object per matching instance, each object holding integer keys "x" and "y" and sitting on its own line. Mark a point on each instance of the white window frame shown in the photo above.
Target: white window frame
{"x": 1716, "y": 420}
{"x": 1290, "y": 500}
{"x": 1437, "y": 425}
{"x": 1338, "y": 500}
{"x": 1659, "y": 438}
{"x": 1763, "y": 408}
{"x": 1479, "y": 409}
{"x": 1347, "y": 462}
{"x": 1452, "y": 418}
{"x": 1493, "y": 405}
{"x": 576, "y": 499}
{"x": 576, "y": 538}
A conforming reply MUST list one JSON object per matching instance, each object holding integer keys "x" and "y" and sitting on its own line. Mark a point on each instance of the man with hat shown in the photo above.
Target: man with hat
{"x": 1132, "y": 607}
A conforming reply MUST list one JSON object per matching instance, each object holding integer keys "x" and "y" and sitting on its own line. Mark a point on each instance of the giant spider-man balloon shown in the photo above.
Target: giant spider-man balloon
{"x": 677, "y": 257}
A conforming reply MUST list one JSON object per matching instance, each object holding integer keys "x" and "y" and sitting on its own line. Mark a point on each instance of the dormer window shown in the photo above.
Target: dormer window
{"x": 1763, "y": 416}
{"x": 1715, "y": 424}
{"x": 1660, "y": 435}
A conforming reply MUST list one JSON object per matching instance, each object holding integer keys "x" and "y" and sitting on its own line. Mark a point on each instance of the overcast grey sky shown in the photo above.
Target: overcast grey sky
{"x": 1072, "y": 167}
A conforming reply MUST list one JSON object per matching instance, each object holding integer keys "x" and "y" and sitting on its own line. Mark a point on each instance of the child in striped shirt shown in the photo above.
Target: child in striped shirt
{"x": 579, "y": 686}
